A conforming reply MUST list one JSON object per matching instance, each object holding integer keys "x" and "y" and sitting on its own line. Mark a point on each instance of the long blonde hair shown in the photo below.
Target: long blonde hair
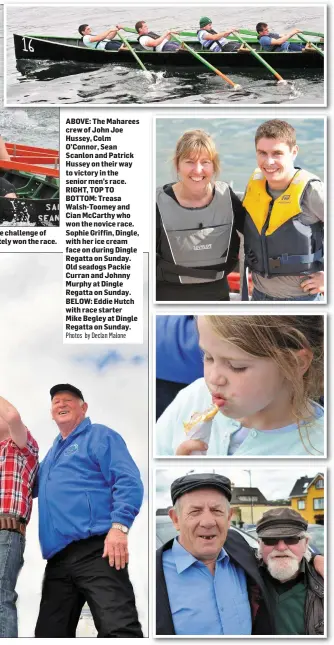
{"x": 279, "y": 338}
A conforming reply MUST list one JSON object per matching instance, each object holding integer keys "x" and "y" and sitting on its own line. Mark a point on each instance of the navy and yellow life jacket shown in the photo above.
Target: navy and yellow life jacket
{"x": 275, "y": 239}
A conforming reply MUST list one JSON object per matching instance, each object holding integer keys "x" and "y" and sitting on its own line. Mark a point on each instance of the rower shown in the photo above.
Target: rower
{"x": 272, "y": 42}
{"x": 149, "y": 40}
{"x": 103, "y": 40}
{"x": 213, "y": 41}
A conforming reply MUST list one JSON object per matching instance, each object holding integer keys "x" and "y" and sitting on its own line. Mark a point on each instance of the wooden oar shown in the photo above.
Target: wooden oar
{"x": 259, "y": 58}
{"x": 207, "y": 64}
{"x": 126, "y": 42}
{"x": 304, "y": 40}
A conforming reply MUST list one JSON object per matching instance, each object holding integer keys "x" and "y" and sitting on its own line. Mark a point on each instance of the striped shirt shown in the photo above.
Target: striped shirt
{"x": 18, "y": 468}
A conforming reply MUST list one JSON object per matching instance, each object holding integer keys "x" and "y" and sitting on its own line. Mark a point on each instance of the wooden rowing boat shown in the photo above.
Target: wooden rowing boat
{"x": 34, "y": 174}
{"x": 56, "y": 48}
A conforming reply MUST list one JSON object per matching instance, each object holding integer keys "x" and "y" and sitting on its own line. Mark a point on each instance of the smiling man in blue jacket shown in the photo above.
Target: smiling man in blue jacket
{"x": 89, "y": 493}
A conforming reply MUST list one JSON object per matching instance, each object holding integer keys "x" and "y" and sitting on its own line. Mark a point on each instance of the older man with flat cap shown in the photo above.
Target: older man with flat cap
{"x": 294, "y": 588}
{"x": 205, "y": 575}
{"x": 89, "y": 495}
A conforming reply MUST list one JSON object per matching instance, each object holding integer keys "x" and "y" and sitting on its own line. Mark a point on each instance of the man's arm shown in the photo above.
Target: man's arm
{"x": 3, "y": 151}
{"x": 319, "y": 564}
{"x": 222, "y": 34}
{"x": 285, "y": 37}
{"x": 121, "y": 472}
{"x": 109, "y": 34}
{"x": 151, "y": 42}
{"x": 16, "y": 428}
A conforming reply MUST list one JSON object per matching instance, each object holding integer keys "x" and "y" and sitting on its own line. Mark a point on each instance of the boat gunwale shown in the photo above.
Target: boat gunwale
{"x": 48, "y": 39}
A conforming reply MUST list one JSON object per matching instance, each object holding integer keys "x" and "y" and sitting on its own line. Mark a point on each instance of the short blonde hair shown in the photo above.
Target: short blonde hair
{"x": 279, "y": 338}
{"x": 193, "y": 143}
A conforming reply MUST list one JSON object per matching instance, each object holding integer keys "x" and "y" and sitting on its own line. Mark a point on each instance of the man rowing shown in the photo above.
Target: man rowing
{"x": 213, "y": 41}
{"x": 152, "y": 41}
{"x": 103, "y": 40}
{"x": 271, "y": 42}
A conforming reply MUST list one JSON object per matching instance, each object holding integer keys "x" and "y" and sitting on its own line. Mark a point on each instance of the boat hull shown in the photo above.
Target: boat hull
{"x": 37, "y": 203}
{"x": 72, "y": 49}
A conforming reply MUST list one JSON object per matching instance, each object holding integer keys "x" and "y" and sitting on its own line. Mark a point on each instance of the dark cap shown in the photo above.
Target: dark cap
{"x": 281, "y": 522}
{"x": 204, "y": 21}
{"x": 188, "y": 483}
{"x": 66, "y": 387}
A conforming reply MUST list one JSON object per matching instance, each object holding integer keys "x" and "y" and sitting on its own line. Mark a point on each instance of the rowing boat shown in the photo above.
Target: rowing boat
{"x": 29, "y": 47}
{"x": 34, "y": 174}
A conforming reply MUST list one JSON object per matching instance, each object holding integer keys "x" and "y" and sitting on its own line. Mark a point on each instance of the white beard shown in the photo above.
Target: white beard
{"x": 283, "y": 568}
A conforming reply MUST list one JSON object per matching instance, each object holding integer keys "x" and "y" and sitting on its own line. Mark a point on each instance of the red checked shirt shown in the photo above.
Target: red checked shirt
{"x": 18, "y": 468}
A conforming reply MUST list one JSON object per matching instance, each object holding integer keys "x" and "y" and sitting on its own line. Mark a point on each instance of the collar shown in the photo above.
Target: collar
{"x": 183, "y": 559}
{"x": 82, "y": 426}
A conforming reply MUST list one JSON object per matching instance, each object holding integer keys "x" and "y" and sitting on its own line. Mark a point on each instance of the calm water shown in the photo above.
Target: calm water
{"x": 69, "y": 83}
{"x": 234, "y": 139}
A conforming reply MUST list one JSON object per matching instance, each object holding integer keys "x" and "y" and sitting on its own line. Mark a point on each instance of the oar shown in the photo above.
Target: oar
{"x": 313, "y": 33}
{"x": 249, "y": 32}
{"x": 126, "y": 42}
{"x": 207, "y": 64}
{"x": 259, "y": 58}
{"x": 304, "y": 40}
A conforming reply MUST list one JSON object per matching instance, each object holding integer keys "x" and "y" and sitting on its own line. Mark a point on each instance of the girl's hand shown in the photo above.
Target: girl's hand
{"x": 314, "y": 283}
{"x": 188, "y": 446}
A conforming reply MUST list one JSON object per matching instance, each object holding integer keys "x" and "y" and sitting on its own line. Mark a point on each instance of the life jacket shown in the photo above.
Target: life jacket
{"x": 207, "y": 44}
{"x": 151, "y": 34}
{"x": 194, "y": 242}
{"x": 271, "y": 48}
{"x": 275, "y": 239}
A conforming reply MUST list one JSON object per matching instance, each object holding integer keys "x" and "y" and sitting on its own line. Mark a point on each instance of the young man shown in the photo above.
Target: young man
{"x": 213, "y": 41}
{"x": 101, "y": 41}
{"x": 271, "y": 42}
{"x": 149, "y": 40}
{"x": 18, "y": 467}
{"x": 283, "y": 233}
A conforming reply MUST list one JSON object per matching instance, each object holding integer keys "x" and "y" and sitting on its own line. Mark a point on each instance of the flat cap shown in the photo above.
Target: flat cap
{"x": 281, "y": 522}
{"x": 66, "y": 387}
{"x": 190, "y": 482}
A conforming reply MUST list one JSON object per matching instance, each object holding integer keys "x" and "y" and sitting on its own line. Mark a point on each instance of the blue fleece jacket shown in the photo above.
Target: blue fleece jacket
{"x": 86, "y": 482}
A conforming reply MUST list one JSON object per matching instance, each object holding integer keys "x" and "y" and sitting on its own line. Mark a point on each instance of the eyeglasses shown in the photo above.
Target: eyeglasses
{"x": 289, "y": 541}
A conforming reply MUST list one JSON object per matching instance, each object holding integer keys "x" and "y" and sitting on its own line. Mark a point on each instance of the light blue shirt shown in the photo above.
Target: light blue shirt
{"x": 304, "y": 441}
{"x": 202, "y": 603}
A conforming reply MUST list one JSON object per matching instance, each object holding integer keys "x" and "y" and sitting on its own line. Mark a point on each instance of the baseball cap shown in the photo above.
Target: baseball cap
{"x": 66, "y": 387}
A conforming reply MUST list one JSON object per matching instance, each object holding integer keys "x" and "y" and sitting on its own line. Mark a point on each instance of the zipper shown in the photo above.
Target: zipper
{"x": 263, "y": 240}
